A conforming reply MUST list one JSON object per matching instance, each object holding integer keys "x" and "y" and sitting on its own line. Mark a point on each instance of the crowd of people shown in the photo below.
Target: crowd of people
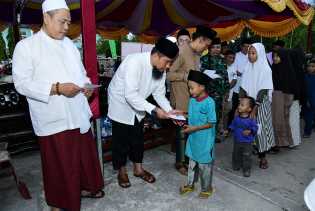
{"x": 254, "y": 96}
{"x": 259, "y": 99}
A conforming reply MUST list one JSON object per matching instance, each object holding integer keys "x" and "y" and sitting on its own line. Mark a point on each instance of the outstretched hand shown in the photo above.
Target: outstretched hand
{"x": 188, "y": 129}
{"x": 161, "y": 114}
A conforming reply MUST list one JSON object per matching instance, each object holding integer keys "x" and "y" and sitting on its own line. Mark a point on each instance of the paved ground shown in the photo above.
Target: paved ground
{"x": 278, "y": 188}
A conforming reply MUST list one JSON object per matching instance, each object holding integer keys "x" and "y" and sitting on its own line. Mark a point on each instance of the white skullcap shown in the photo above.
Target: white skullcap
{"x": 49, "y": 5}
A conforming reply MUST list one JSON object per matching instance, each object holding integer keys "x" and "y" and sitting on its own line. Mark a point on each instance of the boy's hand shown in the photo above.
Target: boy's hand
{"x": 247, "y": 132}
{"x": 188, "y": 129}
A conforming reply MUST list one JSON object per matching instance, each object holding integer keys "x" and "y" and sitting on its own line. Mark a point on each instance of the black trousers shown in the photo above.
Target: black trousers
{"x": 127, "y": 140}
{"x": 242, "y": 156}
{"x": 180, "y": 144}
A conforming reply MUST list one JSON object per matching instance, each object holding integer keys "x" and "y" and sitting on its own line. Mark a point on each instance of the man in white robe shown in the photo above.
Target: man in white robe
{"x": 47, "y": 69}
{"x": 138, "y": 76}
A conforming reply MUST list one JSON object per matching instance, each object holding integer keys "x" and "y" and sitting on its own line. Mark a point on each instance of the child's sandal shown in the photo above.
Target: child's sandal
{"x": 186, "y": 189}
{"x": 205, "y": 194}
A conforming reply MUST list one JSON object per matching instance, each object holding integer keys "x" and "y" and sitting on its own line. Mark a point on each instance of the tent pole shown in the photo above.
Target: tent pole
{"x": 88, "y": 30}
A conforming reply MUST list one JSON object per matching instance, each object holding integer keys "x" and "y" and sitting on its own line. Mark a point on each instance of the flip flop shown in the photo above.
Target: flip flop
{"x": 146, "y": 176}
{"x": 205, "y": 194}
{"x": 123, "y": 180}
{"x": 263, "y": 164}
{"x": 97, "y": 195}
{"x": 186, "y": 189}
{"x": 182, "y": 169}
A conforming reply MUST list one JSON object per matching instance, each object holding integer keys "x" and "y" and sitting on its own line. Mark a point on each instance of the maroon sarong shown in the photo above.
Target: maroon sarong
{"x": 69, "y": 164}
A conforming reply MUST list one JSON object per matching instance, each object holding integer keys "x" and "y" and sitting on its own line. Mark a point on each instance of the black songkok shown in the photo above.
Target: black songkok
{"x": 167, "y": 48}
{"x": 183, "y": 32}
{"x": 199, "y": 77}
{"x": 206, "y": 32}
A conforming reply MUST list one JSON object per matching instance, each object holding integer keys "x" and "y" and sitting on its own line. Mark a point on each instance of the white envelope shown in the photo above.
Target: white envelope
{"x": 177, "y": 117}
{"x": 91, "y": 86}
{"x": 212, "y": 74}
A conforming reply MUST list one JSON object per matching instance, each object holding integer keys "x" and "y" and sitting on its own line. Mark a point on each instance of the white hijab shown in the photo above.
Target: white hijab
{"x": 257, "y": 76}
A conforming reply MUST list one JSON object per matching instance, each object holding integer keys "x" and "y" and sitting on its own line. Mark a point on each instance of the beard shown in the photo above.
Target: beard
{"x": 156, "y": 74}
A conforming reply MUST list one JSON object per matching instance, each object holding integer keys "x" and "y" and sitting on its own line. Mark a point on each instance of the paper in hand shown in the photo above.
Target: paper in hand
{"x": 177, "y": 117}
{"x": 212, "y": 74}
{"x": 91, "y": 86}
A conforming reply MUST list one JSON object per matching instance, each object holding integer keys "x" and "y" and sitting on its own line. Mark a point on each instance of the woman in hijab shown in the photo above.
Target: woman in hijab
{"x": 297, "y": 57}
{"x": 257, "y": 83}
{"x": 286, "y": 85}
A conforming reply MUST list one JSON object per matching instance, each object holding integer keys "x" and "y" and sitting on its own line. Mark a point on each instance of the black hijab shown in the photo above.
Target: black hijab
{"x": 283, "y": 74}
{"x": 298, "y": 60}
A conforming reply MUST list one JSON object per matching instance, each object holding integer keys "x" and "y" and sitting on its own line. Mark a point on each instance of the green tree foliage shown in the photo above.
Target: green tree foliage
{"x": 10, "y": 39}
{"x": 102, "y": 47}
{"x": 297, "y": 38}
{"x": 3, "y": 54}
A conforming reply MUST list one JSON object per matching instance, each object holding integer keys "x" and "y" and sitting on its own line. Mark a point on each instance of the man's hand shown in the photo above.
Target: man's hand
{"x": 69, "y": 89}
{"x": 247, "y": 132}
{"x": 161, "y": 114}
{"x": 87, "y": 92}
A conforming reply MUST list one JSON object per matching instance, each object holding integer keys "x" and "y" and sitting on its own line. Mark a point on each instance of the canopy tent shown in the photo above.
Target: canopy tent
{"x": 152, "y": 18}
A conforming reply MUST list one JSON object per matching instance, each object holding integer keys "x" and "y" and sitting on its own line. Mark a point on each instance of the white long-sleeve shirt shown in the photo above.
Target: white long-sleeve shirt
{"x": 231, "y": 70}
{"x": 240, "y": 62}
{"x": 131, "y": 85}
{"x": 40, "y": 61}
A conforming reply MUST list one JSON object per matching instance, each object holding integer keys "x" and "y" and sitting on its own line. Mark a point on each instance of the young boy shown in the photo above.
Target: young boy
{"x": 201, "y": 130}
{"x": 244, "y": 130}
{"x": 310, "y": 98}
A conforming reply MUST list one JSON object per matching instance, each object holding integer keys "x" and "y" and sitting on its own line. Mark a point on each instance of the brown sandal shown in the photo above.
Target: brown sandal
{"x": 181, "y": 168}
{"x": 146, "y": 176}
{"x": 263, "y": 164}
{"x": 123, "y": 180}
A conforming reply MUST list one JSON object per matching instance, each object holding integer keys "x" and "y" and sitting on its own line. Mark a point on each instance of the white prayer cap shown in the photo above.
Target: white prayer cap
{"x": 49, "y": 5}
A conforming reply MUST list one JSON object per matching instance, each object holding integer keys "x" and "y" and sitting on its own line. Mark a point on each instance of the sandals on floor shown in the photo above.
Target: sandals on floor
{"x": 97, "y": 195}
{"x": 181, "y": 168}
{"x": 206, "y": 194}
{"x": 123, "y": 180}
{"x": 186, "y": 189}
{"x": 263, "y": 164}
{"x": 146, "y": 176}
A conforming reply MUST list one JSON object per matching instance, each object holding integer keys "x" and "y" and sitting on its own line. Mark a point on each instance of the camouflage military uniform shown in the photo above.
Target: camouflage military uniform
{"x": 219, "y": 87}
